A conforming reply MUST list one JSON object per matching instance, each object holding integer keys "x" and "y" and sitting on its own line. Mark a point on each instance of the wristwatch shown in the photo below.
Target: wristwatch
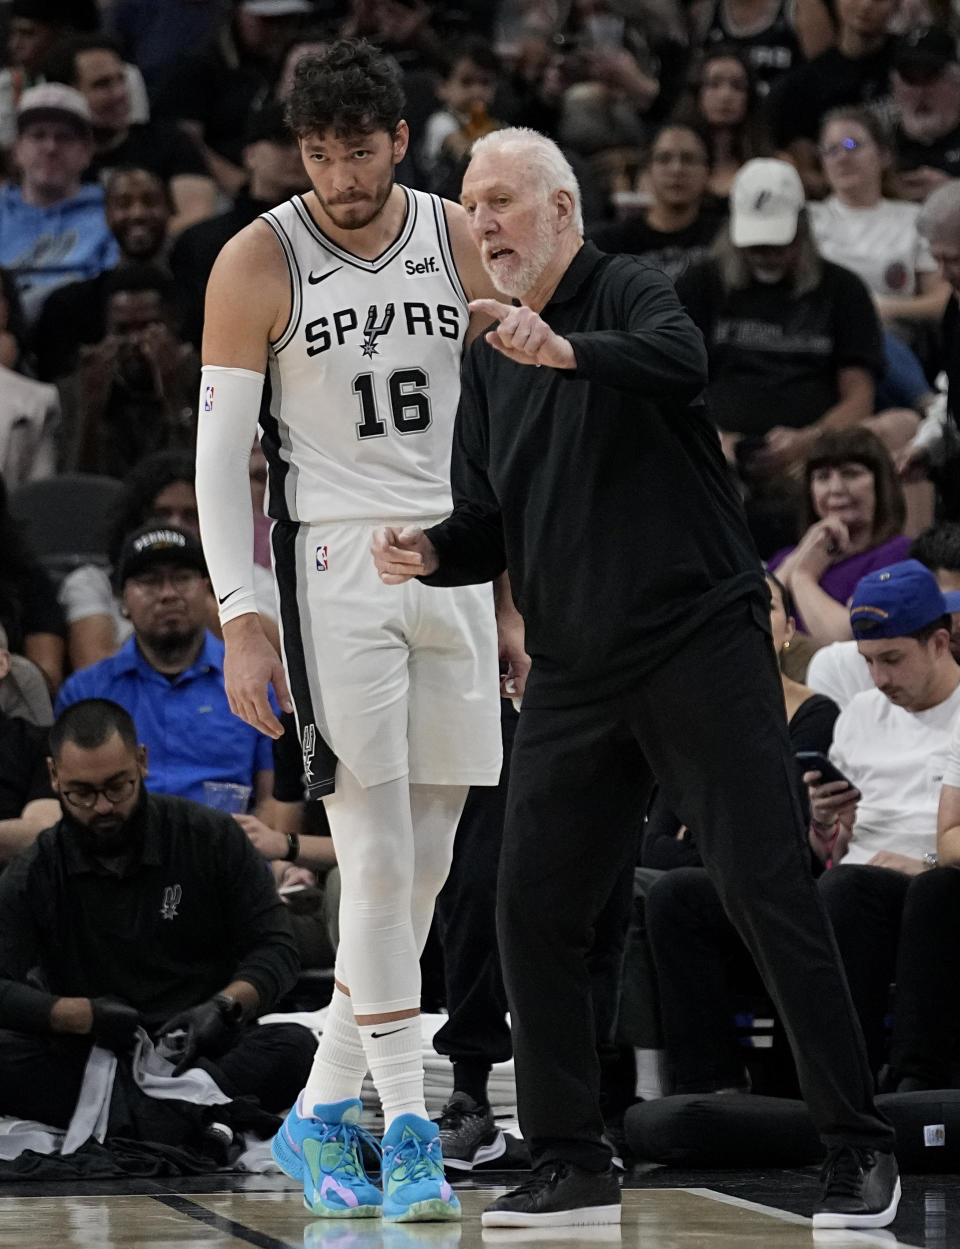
{"x": 930, "y": 859}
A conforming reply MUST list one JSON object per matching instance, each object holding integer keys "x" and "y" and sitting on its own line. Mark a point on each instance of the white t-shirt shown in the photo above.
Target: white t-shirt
{"x": 951, "y": 773}
{"x": 897, "y": 759}
{"x": 839, "y": 671}
{"x": 880, "y": 244}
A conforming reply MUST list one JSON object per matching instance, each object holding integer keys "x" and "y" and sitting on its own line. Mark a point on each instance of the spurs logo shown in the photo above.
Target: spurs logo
{"x": 171, "y": 900}
{"x": 372, "y": 331}
{"x": 308, "y": 746}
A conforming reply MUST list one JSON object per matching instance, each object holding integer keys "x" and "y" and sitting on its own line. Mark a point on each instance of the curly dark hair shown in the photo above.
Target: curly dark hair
{"x": 350, "y": 88}
{"x": 141, "y": 486}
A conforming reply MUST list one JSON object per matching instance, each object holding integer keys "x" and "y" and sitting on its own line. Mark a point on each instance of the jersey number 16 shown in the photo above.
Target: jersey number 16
{"x": 408, "y": 401}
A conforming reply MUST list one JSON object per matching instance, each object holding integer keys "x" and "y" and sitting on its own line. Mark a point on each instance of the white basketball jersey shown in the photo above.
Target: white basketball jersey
{"x": 365, "y": 378}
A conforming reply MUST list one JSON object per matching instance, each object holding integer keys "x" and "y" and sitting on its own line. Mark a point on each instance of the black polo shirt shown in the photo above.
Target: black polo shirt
{"x": 602, "y": 489}
{"x": 198, "y": 909}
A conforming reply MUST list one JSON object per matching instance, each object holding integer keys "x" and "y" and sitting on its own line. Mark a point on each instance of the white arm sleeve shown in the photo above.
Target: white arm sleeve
{"x": 229, "y": 410}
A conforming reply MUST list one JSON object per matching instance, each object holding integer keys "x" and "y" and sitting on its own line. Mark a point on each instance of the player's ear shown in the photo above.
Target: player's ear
{"x": 564, "y": 206}
{"x": 401, "y": 138}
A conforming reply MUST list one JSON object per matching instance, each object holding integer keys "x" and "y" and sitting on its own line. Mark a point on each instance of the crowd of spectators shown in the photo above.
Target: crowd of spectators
{"x": 792, "y": 165}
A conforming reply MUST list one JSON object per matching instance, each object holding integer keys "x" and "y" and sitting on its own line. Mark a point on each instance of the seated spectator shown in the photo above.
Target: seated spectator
{"x": 852, "y": 521}
{"x": 725, "y": 105}
{"x": 699, "y": 958}
{"x": 299, "y": 848}
{"x": 29, "y": 612}
{"x": 52, "y": 227}
{"x": 27, "y": 803}
{"x": 169, "y": 675}
{"x": 214, "y": 90}
{"x": 29, "y": 410}
{"x": 206, "y": 943}
{"x": 926, "y": 97}
{"x": 839, "y": 670}
{"x": 134, "y": 392}
{"x": 793, "y": 341}
{"x": 858, "y": 227}
{"x": 271, "y": 157}
{"x": 855, "y": 71}
{"x": 137, "y": 210}
{"x": 935, "y": 448}
{"x": 36, "y": 28}
{"x": 926, "y": 1027}
{"x": 678, "y": 226}
{"x": 878, "y": 827}
{"x": 466, "y": 90}
{"x": 773, "y": 38}
{"x": 92, "y": 64}
{"x": 23, "y": 691}
{"x": 159, "y": 491}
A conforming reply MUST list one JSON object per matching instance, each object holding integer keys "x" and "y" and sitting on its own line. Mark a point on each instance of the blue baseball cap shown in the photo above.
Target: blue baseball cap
{"x": 895, "y": 601}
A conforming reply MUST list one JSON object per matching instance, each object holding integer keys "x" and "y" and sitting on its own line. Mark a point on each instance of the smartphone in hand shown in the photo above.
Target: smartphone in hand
{"x": 817, "y": 761}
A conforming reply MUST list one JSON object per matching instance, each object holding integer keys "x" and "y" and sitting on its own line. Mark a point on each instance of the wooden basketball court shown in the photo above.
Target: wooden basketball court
{"x": 662, "y": 1209}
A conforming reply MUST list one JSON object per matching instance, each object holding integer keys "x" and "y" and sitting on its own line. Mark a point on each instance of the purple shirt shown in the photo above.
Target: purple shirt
{"x": 840, "y": 580}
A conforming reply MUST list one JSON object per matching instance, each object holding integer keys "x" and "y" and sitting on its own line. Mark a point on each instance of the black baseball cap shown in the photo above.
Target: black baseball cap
{"x": 924, "y": 53}
{"x": 157, "y": 544}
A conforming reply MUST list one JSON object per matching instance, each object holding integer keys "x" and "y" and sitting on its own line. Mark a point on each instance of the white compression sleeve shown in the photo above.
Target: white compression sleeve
{"x": 229, "y": 410}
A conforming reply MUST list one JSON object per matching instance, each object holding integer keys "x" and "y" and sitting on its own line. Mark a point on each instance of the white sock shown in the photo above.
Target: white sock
{"x": 340, "y": 1063}
{"x": 651, "y": 1068}
{"x": 394, "y": 1053}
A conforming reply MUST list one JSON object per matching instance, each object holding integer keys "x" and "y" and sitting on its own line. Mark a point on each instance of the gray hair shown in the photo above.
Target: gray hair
{"x": 542, "y": 160}
{"x": 941, "y": 212}
{"x": 807, "y": 273}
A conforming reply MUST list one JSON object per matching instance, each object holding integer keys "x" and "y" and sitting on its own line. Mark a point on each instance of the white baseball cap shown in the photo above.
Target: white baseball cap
{"x": 766, "y": 200}
{"x": 53, "y": 99}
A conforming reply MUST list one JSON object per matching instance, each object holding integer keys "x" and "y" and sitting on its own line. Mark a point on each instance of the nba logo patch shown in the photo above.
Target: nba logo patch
{"x": 208, "y": 399}
{"x": 322, "y": 564}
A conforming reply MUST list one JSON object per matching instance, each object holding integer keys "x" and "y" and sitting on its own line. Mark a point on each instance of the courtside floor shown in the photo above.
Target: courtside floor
{"x": 662, "y": 1209}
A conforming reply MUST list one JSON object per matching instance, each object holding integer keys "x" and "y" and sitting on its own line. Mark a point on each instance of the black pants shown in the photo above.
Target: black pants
{"x": 709, "y": 723}
{"x": 40, "y": 1076}
{"x": 700, "y": 962}
{"x": 476, "y": 1034}
{"x": 926, "y": 1017}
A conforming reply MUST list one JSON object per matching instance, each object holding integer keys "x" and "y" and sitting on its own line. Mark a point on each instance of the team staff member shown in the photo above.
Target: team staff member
{"x": 138, "y": 910}
{"x": 597, "y": 480}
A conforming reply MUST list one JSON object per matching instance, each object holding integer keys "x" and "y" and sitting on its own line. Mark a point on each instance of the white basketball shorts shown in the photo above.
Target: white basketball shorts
{"x": 394, "y": 679}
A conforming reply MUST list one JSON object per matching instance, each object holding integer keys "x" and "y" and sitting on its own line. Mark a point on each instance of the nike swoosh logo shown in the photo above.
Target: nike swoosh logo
{"x": 378, "y": 1035}
{"x": 223, "y": 599}
{"x": 315, "y": 279}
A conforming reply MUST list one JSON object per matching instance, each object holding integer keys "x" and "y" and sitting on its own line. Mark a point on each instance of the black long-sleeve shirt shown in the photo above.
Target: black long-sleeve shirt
{"x": 601, "y": 489}
{"x": 197, "y": 910}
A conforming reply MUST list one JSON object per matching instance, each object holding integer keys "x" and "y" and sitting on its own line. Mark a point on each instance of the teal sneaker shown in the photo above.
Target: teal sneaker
{"x": 415, "y": 1189}
{"x": 326, "y": 1147}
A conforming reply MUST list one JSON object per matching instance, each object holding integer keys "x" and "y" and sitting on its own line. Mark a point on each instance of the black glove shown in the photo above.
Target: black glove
{"x": 114, "y": 1024}
{"x": 206, "y": 1029}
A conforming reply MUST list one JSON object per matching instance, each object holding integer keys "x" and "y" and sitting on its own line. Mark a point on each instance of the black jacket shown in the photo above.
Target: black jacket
{"x": 198, "y": 909}
{"x": 602, "y": 489}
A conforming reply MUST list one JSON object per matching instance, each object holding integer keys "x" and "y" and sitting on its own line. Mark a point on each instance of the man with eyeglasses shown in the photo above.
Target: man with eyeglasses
{"x": 139, "y": 911}
{"x": 169, "y": 675}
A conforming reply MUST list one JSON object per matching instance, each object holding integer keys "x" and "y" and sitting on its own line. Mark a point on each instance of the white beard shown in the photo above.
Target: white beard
{"x": 515, "y": 276}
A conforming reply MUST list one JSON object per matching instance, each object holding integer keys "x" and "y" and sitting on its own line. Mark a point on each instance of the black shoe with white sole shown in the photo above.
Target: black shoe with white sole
{"x": 468, "y": 1134}
{"x": 860, "y": 1188}
{"x": 559, "y": 1194}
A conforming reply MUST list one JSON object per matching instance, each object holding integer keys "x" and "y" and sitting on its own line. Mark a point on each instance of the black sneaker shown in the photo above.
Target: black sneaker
{"x": 860, "y": 1188}
{"x": 559, "y": 1194}
{"x": 468, "y": 1134}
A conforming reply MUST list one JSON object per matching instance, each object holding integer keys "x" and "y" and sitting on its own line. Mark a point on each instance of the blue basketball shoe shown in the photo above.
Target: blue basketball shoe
{"x": 415, "y": 1189}
{"x": 323, "y": 1152}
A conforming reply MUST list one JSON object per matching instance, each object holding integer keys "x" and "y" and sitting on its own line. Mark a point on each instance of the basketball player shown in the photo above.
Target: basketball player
{"x": 354, "y": 297}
